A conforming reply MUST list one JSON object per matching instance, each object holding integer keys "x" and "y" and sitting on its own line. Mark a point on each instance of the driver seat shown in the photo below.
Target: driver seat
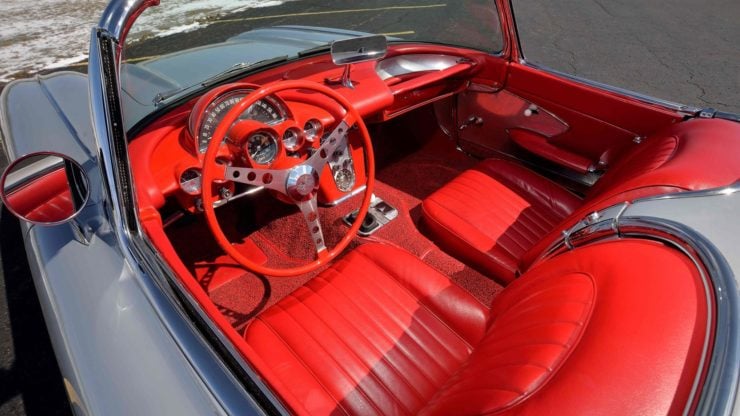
{"x": 380, "y": 332}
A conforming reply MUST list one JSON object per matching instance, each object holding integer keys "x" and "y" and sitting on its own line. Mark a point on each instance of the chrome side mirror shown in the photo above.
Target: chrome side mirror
{"x": 44, "y": 188}
{"x": 354, "y": 50}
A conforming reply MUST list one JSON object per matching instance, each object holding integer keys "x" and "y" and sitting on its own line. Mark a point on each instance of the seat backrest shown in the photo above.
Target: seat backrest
{"x": 586, "y": 332}
{"x": 693, "y": 155}
{"x": 689, "y": 156}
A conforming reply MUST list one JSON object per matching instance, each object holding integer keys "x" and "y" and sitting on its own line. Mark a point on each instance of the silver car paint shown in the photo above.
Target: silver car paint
{"x": 116, "y": 354}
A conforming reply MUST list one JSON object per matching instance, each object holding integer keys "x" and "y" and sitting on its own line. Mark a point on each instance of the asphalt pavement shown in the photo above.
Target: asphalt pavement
{"x": 681, "y": 50}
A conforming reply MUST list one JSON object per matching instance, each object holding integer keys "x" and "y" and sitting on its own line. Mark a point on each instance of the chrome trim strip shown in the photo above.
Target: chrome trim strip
{"x": 725, "y": 190}
{"x": 345, "y": 197}
{"x": 119, "y": 15}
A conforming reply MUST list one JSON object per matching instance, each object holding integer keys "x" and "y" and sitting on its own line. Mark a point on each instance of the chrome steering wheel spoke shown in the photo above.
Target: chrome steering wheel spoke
{"x": 310, "y": 210}
{"x": 336, "y": 140}
{"x": 268, "y": 178}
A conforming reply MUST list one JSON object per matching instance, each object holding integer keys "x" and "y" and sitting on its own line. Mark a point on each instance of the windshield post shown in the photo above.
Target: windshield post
{"x": 104, "y": 89}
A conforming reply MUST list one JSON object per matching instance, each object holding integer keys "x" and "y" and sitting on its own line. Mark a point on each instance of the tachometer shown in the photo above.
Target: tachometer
{"x": 203, "y": 123}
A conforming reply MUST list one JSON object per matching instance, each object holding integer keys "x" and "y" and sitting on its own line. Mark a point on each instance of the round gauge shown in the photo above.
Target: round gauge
{"x": 345, "y": 179}
{"x": 267, "y": 111}
{"x": 190, "y": 181}
{"x": 312, "y": 129}
{"x": 292, "y": 140}
{"x": 262, "y": 148}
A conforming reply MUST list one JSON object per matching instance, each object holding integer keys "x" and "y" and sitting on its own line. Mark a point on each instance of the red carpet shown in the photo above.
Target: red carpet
{"x": 284, "y": 239}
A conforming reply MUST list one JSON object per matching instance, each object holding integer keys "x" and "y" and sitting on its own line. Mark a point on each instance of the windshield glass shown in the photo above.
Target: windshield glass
{"x": 174, "y": 48}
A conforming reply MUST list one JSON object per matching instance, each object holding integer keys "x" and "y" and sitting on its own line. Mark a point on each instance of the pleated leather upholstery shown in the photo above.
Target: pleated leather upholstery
{"x": 378, "y": 333}
{"x": 583, "y": 333}
{"x": 490, "y": 215}
{"x": 528, "y": 340}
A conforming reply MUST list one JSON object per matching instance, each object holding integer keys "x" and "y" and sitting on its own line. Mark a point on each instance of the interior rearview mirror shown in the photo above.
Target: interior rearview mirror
{"x": 361, "y": 49}
{"x": 354, "y": 50}
{"x": 44, "y": 188}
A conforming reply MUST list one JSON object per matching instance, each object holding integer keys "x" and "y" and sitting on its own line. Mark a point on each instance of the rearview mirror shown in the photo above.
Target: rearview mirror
{"x": 44, "y": 188}
{"x": 353, "y": 50}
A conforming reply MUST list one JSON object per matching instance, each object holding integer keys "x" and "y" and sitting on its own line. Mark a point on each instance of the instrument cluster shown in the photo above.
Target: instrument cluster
{"x": 275, "y": 131}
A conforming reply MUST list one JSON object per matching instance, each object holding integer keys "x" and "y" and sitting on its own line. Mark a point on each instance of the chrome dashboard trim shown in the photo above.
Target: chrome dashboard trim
{"x": 344, "y": 198}
{"x": 406, "y": 64}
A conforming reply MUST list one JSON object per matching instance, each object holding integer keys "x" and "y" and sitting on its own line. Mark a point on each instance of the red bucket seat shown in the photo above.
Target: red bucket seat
{"x": 499, "y": 216}
{"x": 380, "y": 332}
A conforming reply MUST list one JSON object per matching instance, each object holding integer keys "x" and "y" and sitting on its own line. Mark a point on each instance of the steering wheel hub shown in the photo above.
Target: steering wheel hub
{"x": 303, "y": 181}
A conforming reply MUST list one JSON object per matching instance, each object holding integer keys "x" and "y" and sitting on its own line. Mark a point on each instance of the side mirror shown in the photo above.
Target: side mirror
{"x": 353, "y": 50}
{"x": 44, "y": 188}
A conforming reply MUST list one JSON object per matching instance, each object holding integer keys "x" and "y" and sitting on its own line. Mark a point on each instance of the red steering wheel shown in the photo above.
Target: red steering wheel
{"x": 299, "y": 183}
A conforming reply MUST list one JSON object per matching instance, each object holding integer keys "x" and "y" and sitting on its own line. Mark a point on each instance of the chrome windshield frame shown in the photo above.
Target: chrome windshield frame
{"x": 224, "y": 372}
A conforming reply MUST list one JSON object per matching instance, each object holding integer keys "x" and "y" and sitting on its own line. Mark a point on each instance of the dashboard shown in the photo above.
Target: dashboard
{"x": 284, "y": 129}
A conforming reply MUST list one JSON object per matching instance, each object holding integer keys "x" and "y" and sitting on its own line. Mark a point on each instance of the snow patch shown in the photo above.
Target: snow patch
{"x": 48, "y": 34}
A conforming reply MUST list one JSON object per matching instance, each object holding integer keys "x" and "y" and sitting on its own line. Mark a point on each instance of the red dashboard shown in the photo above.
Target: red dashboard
{"x": 285, "y": 129}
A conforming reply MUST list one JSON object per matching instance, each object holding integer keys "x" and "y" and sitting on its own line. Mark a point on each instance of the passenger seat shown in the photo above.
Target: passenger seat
{"x": 500, "y": 216}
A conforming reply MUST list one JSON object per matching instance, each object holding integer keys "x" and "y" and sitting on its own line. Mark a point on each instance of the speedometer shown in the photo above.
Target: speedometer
{"x": 203, "y": 123}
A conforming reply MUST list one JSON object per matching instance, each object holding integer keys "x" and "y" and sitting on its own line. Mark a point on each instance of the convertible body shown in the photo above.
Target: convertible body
{"x": 308, "y": 220}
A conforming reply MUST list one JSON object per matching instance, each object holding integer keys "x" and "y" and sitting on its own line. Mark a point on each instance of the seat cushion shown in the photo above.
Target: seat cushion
{"x": 377, "y": 333}
{"x": 489, "y": 216}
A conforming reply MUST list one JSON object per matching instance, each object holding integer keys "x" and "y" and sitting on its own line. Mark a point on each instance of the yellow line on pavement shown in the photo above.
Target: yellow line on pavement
{"x": 376, "y": 9}
{"x": 277, "y": 16}
{"x": 408, "y": 32}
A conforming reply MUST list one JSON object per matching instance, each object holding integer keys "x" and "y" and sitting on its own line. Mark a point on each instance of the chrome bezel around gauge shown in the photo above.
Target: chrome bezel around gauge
{"x": 268, "y": 137}
{"x": 203, "y": 123}
{"x": 293, "y": 139}
{"x": 190, "y": 181}
{"x": 313, "y": 129}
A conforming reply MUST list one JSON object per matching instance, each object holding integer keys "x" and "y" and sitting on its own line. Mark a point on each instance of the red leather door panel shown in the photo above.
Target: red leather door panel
{"x": 602, "y": 124}
{"x": 572, "y": 124}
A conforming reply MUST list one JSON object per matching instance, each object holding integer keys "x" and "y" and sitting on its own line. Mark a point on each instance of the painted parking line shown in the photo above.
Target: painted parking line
{"x": 146, "y": 58}
{"x": 328, "y": 12}
{"x": 408, "y": 32}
